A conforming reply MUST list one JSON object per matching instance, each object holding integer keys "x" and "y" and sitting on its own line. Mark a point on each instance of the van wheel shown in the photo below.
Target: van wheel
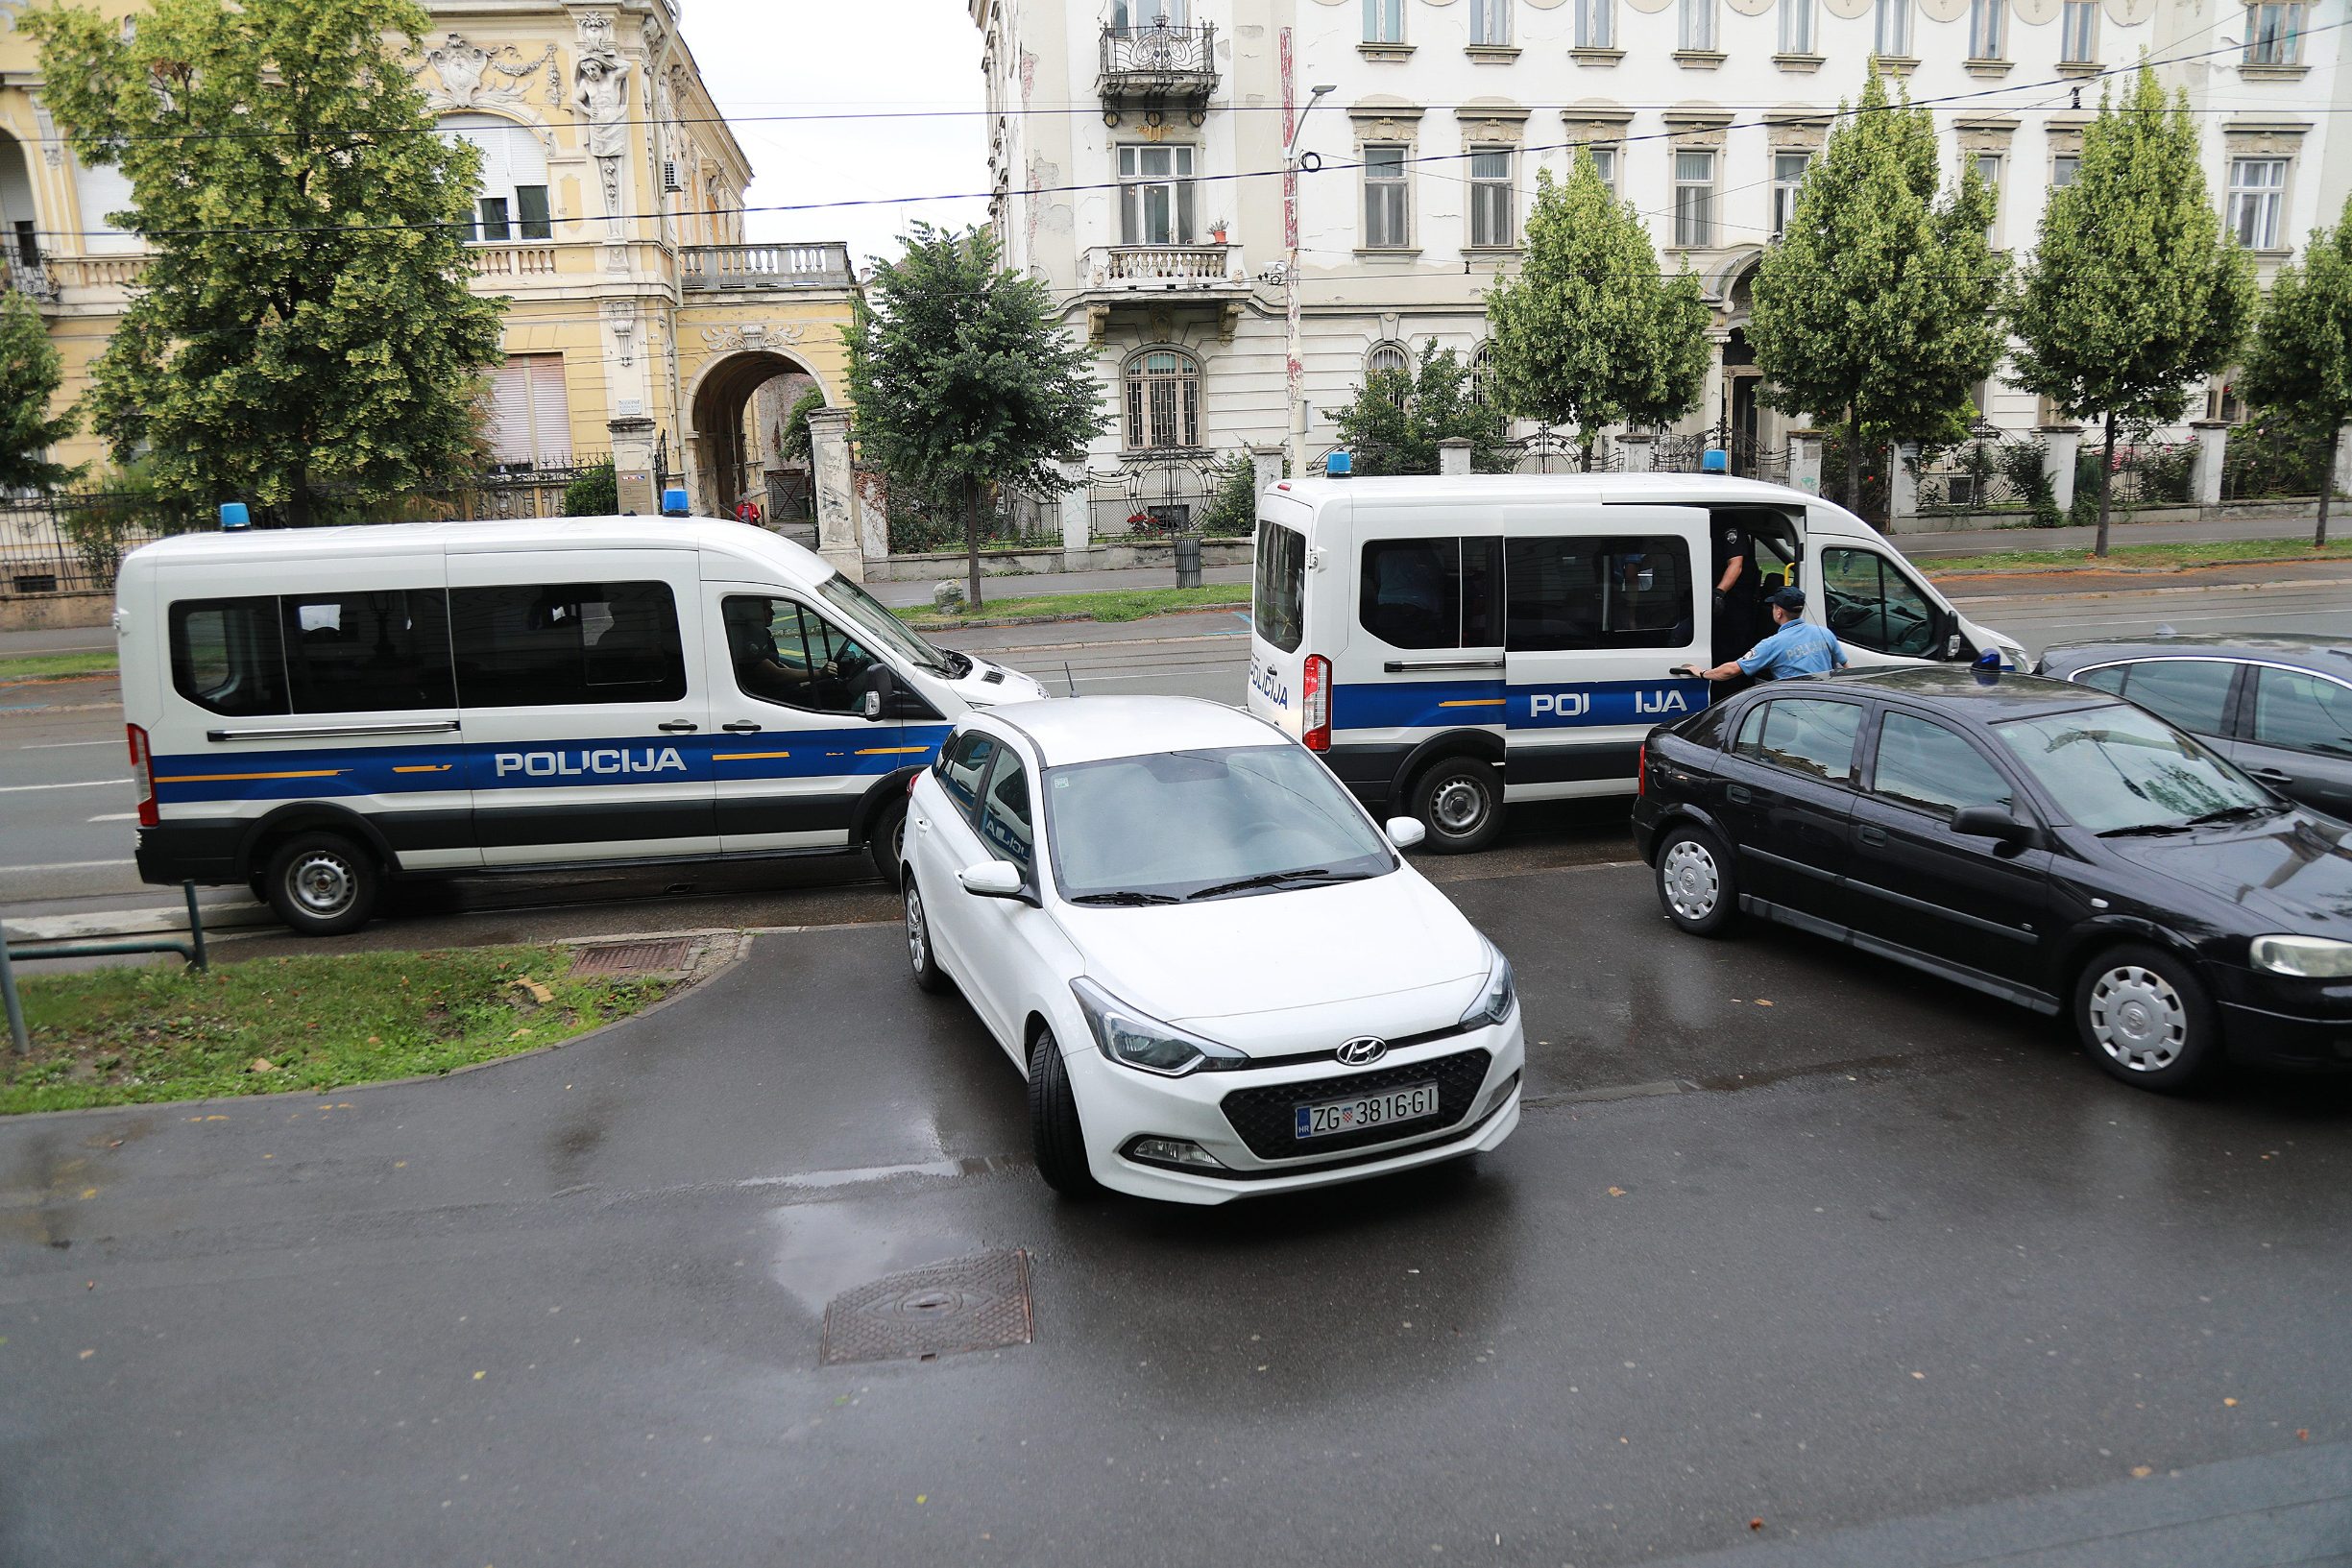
{"x": 2146, "y": 1017}
{"x": 1694, "y": 881}
{"x": 323, "y": 885}
{"x": 1053, "y": 1123}
{"x": 887, "y": 845}
{"x": 1459, "y": 801}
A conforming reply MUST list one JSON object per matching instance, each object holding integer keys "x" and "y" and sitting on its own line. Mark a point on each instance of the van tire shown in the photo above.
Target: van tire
{"x": 1053, "y": 1122}
{"x": 323, "y": 885}
{"x": 887, "y": 845}
{"x": 1695, "y": 884}
{"x": 1466, "y": 792}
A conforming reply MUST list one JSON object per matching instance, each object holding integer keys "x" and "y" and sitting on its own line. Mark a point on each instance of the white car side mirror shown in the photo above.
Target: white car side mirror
{"x": 991, "y": 880}
{"x": 1406, "y": 831}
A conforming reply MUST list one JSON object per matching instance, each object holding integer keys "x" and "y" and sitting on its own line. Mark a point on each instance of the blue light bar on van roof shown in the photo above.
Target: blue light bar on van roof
{"x": 1714, "y": 460}
{"x": 673, "y": 503}
{"x": 234, "y": 515}
{"x": 1338, "y": 466}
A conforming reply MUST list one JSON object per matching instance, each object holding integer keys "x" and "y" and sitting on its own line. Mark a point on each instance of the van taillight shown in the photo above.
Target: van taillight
{"x": 142, "y": 776}
{"x": 1314, "y": 704}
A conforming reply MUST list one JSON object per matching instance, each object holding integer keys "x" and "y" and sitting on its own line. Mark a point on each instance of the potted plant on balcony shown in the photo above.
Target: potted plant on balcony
{"x": 1216, "y": 231}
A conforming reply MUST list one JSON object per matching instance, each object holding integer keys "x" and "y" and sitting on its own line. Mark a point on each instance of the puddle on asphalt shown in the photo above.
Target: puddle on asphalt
{"x": 824, "y": 1248}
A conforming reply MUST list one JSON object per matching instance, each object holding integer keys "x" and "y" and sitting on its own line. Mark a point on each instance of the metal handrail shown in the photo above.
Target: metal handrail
{"x": 192, "y": 950}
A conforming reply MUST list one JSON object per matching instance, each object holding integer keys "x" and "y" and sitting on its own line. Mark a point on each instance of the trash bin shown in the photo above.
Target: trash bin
{"x": 1188, "y": 560}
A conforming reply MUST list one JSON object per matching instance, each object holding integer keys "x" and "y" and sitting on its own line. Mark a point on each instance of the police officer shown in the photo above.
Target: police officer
{"x": 1736, "y": 587}
{"x": 1798, "y": 648}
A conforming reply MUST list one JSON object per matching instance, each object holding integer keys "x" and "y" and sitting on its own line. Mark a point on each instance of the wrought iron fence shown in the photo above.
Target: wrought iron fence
{"x": 75, "y": 543}
{"x": 1990, "y": 473}
{"x": 1547, "y": 449}
{"x": 1676, "y": 452}
{"x": 1151, "y": 494}
{"x": 2269, "y": 462}
{"x": 2145, "y": 473}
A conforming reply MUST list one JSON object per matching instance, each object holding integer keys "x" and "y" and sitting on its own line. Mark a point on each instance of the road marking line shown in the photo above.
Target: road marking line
{"x": 86, "y": 783}
{"x": 117, "y": 816}
{"x": 69, "y": 865}
{"x": 60, "y": 745}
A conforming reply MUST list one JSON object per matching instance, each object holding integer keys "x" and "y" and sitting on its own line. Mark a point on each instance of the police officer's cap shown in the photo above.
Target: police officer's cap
{"x": 1791, "y": 599}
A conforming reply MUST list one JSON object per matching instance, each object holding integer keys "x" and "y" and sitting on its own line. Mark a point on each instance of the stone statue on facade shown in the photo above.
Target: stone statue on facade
{"x": 601, "y": 93}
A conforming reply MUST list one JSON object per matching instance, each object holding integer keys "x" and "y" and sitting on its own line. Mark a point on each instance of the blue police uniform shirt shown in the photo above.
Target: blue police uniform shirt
{"x": 1798, "y": 648}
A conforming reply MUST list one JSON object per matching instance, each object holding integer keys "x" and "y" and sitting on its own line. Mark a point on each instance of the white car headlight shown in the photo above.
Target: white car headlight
{"x": 1138, "y": 1039}
{"x": 1494, "y": 1003}
{"x": 2313, "y": 957}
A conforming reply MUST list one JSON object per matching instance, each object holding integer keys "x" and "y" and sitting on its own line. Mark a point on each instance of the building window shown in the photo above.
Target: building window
{"x": 2078, "y": 32}
{"x": 1163, "y": 399}
{"x": 1490, "y": 21}
{"x": 1384, "y": 21}
{"x": 1694, "y": 199}
{"x": 1787, "y": 175}
{"x": 2063, "y": 168}
{"x": 1493, "y": 211}
{"x": 1698, "y": 25}
{"x": 2274, "y": 33}
{"x": 1481, "y": 374}
{"x": 1596, "y": 24}
{"x": 1390, "y": 360}
{"x": 1988, "y": 170}
{"x": 512, "y": 201}
{"x": 530, "y": 413}
{"x": 1385, "y": 209}
{"x": 1604, "y": 158}
{"x": 1128, "y": 14}
{"x": 2255, "y": 186}
{"x": 1890, "y": 36}
{"x": 1796, "y": 27}
{"x": 1987, "y": 29}
{"x": 1156, "y": 195}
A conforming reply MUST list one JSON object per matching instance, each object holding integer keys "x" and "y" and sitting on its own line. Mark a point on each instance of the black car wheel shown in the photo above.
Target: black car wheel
{"x": 1053, "y": 1122}
{"x": 886, "y": 846}
{"x": 921, "y": 958}
{"x": 1694, "y": 881}
{"x": 323, "y": 885}
{"x": 1459, "y": 801}
{"x": 2146, "y": 1017}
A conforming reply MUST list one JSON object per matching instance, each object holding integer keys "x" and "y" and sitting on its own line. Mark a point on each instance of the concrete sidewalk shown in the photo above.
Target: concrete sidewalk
{"x": 1986, "y": 540}
{"x": 1029, "y": 585}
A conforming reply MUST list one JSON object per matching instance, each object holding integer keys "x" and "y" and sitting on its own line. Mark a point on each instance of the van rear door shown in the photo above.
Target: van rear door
{"x": 1600, "y": 603}
{"x": 586, "y": 713}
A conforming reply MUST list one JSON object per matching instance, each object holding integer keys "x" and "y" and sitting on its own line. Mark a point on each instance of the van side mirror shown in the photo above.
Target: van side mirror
{"x": 992, "y": 880}
{"x": 1992, "y": 822}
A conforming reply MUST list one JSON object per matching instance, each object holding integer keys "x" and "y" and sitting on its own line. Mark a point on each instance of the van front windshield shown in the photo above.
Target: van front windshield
{"x": 869, "y": 614}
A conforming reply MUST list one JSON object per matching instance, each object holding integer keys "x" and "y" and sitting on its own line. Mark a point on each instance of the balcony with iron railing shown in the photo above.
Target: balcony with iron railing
{"x": 1158, "y": 65}
{"x": 821, "y": 266}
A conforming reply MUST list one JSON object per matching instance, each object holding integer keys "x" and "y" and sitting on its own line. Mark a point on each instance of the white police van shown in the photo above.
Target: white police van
{"x": 313, "y": 712}
{"x": 1451, "y": 643}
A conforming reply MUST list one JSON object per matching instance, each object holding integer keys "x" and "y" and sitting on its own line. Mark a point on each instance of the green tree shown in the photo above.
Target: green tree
{"x": 2301, "y": 363}
{"x": 29, "y": 375}
{"x": 964, "y": 380}
{"x": 2135, "y": 290}
{"x": 304, "y": 321}
{"x": 794, "y": 444}
{"x": 1399, "y": 416}
{"x": 1592, "y": 334}
{"x": 1881, "y": 305}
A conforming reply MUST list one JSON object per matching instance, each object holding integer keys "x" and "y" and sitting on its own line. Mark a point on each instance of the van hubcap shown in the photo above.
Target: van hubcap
{"x": 323, "y": 885}
{"x": 1458, "y": 806}
{"x": 919, "y": 942}
{"x": 1691, "y": 881}
{"x": 2138, "y": 1019}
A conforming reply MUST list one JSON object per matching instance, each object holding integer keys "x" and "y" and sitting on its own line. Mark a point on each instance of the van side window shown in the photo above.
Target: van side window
{"x": 1618, "y": 590}
{"x": 784, "y": 652}
{"x": 1482, "y": 591}
{"x": 371, "y": 651}
{"x": 567, "y": 645}
{"x": 1811, "y": 735}
{"x": 227, "y": 656}
{"x": 1410, "y": 595}
{"x": 1873, "y": 605}
{"x": 1280, "y": 594}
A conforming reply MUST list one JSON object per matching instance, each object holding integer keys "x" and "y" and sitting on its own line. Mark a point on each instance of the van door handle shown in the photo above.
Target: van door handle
{"x": 742, "y": 726}
{"x": 677, "y": 726}
{"x": 1738, "y": 794}
{"x": 1873, "y": 836}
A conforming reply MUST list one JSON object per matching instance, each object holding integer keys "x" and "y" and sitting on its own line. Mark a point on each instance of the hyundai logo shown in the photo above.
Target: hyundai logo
{"x": 1362, "y": 1051}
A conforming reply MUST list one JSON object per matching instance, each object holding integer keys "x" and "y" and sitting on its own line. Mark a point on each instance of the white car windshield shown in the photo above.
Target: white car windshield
{"x": 1204, "y": 823}
{"x": 2118, "y": 770}
{"x": 869, "y": 615}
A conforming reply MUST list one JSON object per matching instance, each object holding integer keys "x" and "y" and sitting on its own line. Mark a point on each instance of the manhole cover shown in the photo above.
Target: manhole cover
{"x": 968, "y": 1304}
{"x": 634, "y": 957}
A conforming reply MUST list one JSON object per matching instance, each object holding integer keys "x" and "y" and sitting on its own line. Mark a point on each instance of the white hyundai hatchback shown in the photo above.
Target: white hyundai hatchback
{"x": 1216, "y": 972}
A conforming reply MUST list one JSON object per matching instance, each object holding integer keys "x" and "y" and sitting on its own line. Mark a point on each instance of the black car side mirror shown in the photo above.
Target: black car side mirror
{"x": 1992, "y": 822}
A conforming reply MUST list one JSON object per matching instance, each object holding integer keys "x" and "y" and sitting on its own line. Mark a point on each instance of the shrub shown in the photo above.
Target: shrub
{"x": 595, "y": 494}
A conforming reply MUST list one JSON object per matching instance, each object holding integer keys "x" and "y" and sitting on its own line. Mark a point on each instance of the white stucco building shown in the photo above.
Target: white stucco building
{"x": 1137, "y": 148}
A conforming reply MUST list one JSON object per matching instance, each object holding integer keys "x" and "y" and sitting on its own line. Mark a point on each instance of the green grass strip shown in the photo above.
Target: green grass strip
{"x": 1115, "y": 605}
{"x": 2216, "y": 552}
{"x": 136, "y": 1036}
{"x": 52, "y": 666}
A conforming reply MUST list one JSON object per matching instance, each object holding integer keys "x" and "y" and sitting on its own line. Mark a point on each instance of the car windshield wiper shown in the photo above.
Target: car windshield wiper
{"x": 2145, "y": 829}
{"x": 2235, "y": 813}
{"x": 1280, "y": 879}
{"x": 1125, "y": 895}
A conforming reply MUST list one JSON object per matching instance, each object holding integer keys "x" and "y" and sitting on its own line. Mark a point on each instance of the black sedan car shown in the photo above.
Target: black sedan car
{"x": 2040, "y": 841}
{"x": 2278, "y": 706}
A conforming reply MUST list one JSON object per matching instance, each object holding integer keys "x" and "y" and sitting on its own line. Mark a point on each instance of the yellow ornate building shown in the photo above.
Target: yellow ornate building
{"x": 641, "y": 323}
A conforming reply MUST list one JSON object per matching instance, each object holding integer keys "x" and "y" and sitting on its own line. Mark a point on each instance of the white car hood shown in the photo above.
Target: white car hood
{"x": 1296, "y": 969}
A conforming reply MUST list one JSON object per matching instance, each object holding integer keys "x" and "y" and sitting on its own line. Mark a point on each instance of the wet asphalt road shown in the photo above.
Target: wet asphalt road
{"x": 1883, "y": 1266}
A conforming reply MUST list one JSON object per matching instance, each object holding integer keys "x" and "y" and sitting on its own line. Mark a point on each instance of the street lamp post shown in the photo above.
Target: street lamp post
{"x": 1292, "y": 372}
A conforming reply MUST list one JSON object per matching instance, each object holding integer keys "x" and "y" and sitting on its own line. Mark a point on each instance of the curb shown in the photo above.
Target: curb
{"x": 1927, "y": 563}
{"x": 2198, "y": 587}
{"x": 983, "y": 622}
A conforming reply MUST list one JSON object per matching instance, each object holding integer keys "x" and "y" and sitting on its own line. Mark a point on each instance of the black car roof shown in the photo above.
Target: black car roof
{"x": 2004, "y": 696}
{"x": 2305, "y": 650}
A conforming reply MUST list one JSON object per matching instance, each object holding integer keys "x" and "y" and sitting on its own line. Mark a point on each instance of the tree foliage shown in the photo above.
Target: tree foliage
{"x": 1880, "y": 306}
{"x": 29, "y": 375}
{"x": 303, "y": 323}
{"x": 1399, "y": 416}
{"x": 1592, "y": 334}
{"x": 962, "y": 380}
{"x": 2135, "y": 290}
{"x": 795, "y": 445}
{"x": 2301, "y": 362}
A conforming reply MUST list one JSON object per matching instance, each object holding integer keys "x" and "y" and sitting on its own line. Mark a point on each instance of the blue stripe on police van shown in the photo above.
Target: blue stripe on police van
{"x": 1416, "y": 705}
{"x": 440, "y": 766}
{"x": 1423, "y": 705}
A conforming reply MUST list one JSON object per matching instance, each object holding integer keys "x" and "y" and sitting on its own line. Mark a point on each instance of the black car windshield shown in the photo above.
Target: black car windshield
{"x": 868, "y": 614}
{"x": 1191, "y": 822}
{"x": 2118, "y": 768}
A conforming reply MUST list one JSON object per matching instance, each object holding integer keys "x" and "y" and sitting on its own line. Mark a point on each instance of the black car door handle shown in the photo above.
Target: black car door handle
{"x": 742, "y": 726}
{"x": 1736, "y": 794}
{"x": 677, "y": 726}
{"x": 2269, "y": 776}
{"x": 1873, "y": 836}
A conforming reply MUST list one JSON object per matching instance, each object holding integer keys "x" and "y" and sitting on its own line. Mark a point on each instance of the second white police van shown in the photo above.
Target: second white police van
{"x": 314, "y": 712}
{"x": 1450, "y": 644}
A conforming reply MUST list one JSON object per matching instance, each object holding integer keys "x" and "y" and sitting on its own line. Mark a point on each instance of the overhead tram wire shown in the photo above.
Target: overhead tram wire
{"x": 2062, "y": 83}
